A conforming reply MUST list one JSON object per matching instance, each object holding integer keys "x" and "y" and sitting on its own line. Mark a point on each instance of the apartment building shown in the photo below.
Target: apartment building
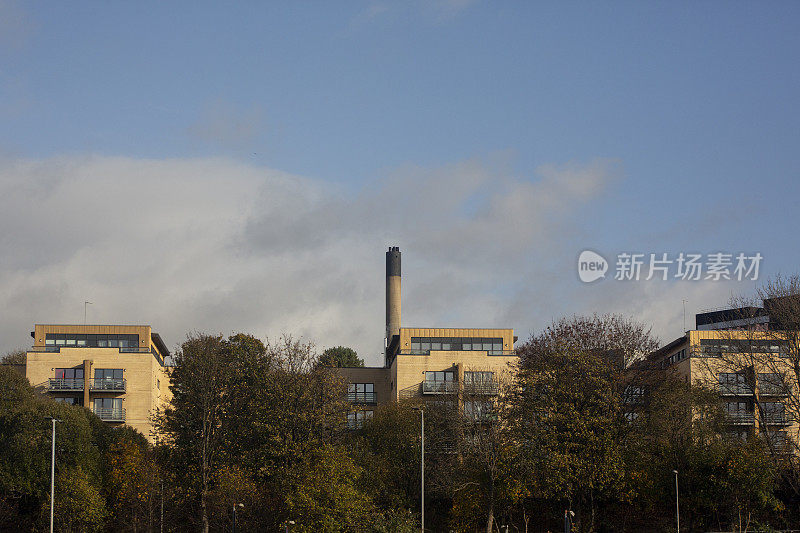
{"x": 465, "y": 364}
{"x": 116, "y": 371}
{"x": 736, "y": 352}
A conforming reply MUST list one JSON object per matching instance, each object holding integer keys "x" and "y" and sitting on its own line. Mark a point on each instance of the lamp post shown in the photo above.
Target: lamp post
{"x": 53, "y": 472}
{"x": 568, "y": 521}
{"x": 235, "y": 505}
{"x": 422, "y": 468}
{"x": 677, "y": 509}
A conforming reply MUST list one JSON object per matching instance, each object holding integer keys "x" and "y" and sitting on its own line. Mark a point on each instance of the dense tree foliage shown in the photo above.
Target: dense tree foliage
{"x": 340, "y": 357}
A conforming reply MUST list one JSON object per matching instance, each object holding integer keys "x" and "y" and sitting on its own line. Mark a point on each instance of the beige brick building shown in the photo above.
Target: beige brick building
{"x": 747, "y": 364}
{"x": 116, "y": 371}
{"x": 426, "y": 363}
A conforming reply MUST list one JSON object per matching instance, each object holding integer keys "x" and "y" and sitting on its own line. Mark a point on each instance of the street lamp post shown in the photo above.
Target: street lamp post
{"x": 422, "y": 468}
{"x": 677, "y": 508}
{"x": 235, "y": 505}
{"x": 53, "y": 472}
{"x": 568, "y": 521}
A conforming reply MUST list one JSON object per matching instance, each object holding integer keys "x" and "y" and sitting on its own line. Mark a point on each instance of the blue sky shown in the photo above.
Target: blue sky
{"x": 685, "y": 113}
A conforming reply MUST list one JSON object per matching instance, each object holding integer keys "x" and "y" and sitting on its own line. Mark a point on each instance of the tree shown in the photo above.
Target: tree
{"x": 247, "y": 414}
{"x": 15, "y": 357}
{"x": 340, "y": 357}
{"x": 192, "y": 424}
{"x": 326, "y": 497}
{"x": 485, "y": 478}
{"x": 132, "y": 482}
{"x": 566, "y": 413}
{"x": 25, "y": 438}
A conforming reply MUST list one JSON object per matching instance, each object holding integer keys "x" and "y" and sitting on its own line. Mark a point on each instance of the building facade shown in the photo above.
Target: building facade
{"x": 735, "y": 352}
{"x": 118, "y": 372}
{"x": 425, "y": 363}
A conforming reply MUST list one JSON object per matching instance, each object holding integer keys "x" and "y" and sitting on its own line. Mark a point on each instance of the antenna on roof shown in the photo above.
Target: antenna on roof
{"x": 84, "y": 311}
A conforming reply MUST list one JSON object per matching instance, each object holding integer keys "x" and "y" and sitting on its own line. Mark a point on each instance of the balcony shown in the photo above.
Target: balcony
{"x": 361, "y": 397}
{"x": 483, "y": 388}
{"x": 777, "y": 419}
{"x": 61, "y": 384}
{"x": 771, "y": 389}
{"x": 109, "y": 414}
{"x": 439, "y": 387}
{"x": 107, "y": 385}
{"x": 741, "y": 418}
{"x": 735, "y": 389}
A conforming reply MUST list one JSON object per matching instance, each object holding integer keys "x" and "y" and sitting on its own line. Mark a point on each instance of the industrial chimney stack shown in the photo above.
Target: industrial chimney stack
{"x": 392, "y": 293}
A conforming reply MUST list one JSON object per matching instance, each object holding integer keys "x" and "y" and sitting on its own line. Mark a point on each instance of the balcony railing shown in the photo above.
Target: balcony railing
{"x": 779, "y": 446}
{"x": 439, "y": 387}
{"x": 777, "y": 419}
{"x": 485, "y": 387}
{"x": 741, "y": 417}
{"x": 110, "y": 414}
{"x": 771, "y": 389}
{"x": 735, "y": 389}
{"x": 361, "y": 397}
{"x": 110, "y": 385}
{"x": 62, "y": 384}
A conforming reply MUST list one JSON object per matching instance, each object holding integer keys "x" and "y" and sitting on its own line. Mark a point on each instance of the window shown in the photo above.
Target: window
{"x": 439, "y": 382}
{"x": 356, "y": 419}
{"x": 736, "y": 407}
{"x": 361, "y": 392}
{"x": 440, "y": 376}
{"x": 84, "y": 340}
{"x": 733, "y": 383}
{"x": 778, "y": 441}
{"x": 774, "y": 413}
{"x": 107, "y": 373}
{"x": 69, "y": 373}
{"x": 112, "y": 404}
{"x": 740, "y": 412}
{"x": 71, "y": 400}
{"x": 480, "y": 383}
{"x": 771, "y": 384}
{"x": 426, "y": 344}
{"x": 478, "y": 410}
{"x": 478, "y": 377}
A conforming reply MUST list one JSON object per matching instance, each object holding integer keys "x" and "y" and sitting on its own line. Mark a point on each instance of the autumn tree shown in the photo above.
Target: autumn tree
{"x": 193, "y": 423}
{"x": 132, "y": 482}
{"x": 566, "y": 411}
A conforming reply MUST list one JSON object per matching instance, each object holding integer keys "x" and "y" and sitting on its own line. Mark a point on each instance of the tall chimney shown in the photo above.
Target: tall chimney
{"x": 392, "y": 293}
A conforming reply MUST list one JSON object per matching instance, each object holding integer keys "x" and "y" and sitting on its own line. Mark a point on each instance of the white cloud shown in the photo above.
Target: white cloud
{"x": 220, "y": 246}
